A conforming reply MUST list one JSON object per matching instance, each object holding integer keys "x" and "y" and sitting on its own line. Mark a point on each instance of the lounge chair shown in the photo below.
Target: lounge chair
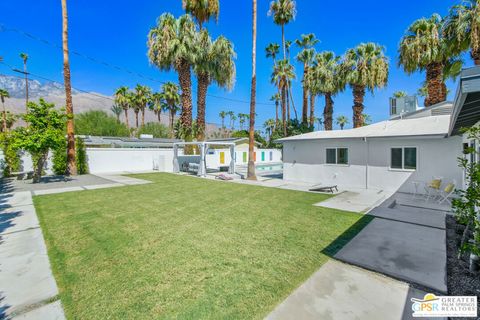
{"x": 223, "y": 177}
{"x": 447, "y": 192}
{"x": 432, "y": 189}
{"x": 321, "y": 188}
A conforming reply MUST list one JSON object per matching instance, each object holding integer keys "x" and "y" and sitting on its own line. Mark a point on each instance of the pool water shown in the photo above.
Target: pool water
{"x": 269, "y": 167}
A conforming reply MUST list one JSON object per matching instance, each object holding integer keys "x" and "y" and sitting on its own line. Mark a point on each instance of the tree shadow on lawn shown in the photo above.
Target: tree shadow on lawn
{"x": 342, "y": 240}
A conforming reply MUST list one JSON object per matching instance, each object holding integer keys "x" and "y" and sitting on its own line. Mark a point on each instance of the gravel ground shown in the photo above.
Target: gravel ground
{"x": 460, "y": 281}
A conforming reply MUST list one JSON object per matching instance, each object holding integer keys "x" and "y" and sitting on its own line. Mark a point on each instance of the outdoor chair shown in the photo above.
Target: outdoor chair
{"x": 432, "y": 189}
{"x": 447, "y": 192}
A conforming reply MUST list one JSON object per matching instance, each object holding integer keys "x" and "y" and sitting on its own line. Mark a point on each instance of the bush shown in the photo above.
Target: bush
{"x": 11, "y": 161}
{"x": 59, "y": 160}
{"x": 158, "y": 130}
{"x": 82, "y": 160}
{"x": 99, "y": 123}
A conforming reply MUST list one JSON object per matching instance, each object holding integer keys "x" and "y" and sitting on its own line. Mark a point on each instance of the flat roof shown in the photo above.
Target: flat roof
{"x": 431, "y": 126}
{"x": 466, "y": 107}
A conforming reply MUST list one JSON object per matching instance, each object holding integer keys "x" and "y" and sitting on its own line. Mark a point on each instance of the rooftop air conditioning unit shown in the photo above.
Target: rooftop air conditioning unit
{"x": 403, "y": 105}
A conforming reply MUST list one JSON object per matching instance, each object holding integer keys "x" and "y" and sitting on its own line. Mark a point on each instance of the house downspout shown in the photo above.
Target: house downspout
{"x": 366, "y": 164}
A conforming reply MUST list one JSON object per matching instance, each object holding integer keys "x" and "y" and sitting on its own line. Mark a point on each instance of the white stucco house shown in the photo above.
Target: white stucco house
{"x": 390, "y": 155}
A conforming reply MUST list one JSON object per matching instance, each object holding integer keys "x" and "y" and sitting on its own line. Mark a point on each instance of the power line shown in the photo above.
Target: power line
{"x": 3, "y": 28}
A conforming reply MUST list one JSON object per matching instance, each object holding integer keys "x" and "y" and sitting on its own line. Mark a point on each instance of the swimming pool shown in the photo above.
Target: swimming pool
{"x": 269, "y": 167}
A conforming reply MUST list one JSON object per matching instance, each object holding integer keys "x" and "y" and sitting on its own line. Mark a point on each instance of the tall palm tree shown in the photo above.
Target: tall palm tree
{"x": 283, "y": 72}
{"x": 71, "y": 162}
{"x": 172, "y": 45}
{"x": 367, "y": 119}
{"x": 341, "y": 121}
{"x": 319, "y": 122}
{"x": 423, "y": 47}
{"x": 117, "y": 110}
{"x": 241, "y": 119}
{"x": 202, "y": 10}
{"x": 276, "y": 98}
{"x": 269, "y": 125}
{"x": 283, "y": 11}
{"x": 143, "y": 97}
{"x": 157, "y": 105}
{"x": 121, "y": 99}
{"x": 306, "y": 43}
{"x": 231, "y": 114}
{"x": 366, "y": 68}
{"x": 171, "y": 96}
{"x": 328, "y": 80}
{"x": 214, "y": 64}
{"x": 4, "y": 94}
{"x": 24, "y": 58}
{"x": 223, "y": 115}
{"x": 462, "y": 28}
{"x": 271, "y": 51}
{"x": 253, "y": 94}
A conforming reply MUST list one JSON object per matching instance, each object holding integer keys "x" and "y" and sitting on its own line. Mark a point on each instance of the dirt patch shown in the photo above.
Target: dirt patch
{"x": 460, "y": 281}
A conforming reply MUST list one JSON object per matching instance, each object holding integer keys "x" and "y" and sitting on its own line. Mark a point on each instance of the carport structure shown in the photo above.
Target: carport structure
{"x": 203, "y": 146}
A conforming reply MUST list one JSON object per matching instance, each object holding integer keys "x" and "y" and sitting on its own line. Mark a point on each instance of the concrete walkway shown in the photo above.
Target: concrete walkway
{"x": 338, "y": 291}
{"x": 27, "y": 287}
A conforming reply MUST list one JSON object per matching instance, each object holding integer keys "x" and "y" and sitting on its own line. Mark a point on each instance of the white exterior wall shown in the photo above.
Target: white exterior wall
{"x": 306, "y": 161}
{"x": 213, "y": 160}
{"x": 110, "y": 160}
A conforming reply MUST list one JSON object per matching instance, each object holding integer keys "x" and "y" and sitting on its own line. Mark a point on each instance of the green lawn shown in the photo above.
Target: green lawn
{"x": 185, "y": 247}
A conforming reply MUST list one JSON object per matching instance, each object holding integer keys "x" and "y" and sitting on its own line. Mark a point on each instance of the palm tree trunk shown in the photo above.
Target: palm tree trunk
{"x": 284, "y": 112}
{"x": 475, "y": 54}
{"x": 434, "y": 84}
{"x": 276, "y": 113}
{"x": 143, "y": 116}
{"x": 159, "y": 116}
{"x": 358, "y": 96}
{"x": 293, "y": 102}
{"x": 202, "y": 85}
{"x": 136, "y": 118}
{"x": 305, "y": 95}
{"x": 287, "y": 96}
{"x": 126, "y": 118}
{"x": 312, "y": 109}
{"x": 185, "y": 80}
{"x": 283, "y": 43}
{"x": 71, "y": 162}
{"x": 251, "y": 133}
{"x": 172, "y": 117}
{"x": 328, "y": 112}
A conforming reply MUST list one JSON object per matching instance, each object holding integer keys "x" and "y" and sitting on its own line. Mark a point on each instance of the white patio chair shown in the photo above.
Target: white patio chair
{"x": 432, "y": 189}
{"x": 446, "y": 192}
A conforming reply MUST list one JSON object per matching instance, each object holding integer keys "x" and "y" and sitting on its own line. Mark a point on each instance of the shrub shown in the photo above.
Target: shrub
{"x": 11, "y": 161}
{"x": 60, "y": 159}
{"x": 158, "y": 130}
{"x": 82, "y": 160}
{"x": 99, "y": 123}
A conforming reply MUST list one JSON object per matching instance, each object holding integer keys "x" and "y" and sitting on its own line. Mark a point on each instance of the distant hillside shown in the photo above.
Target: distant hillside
{"x": 54, "y": 93}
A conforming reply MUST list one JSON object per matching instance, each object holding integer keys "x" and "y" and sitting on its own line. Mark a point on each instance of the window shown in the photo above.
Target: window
{"x": 337, "y": 155}
{"x": 404, "y": 158}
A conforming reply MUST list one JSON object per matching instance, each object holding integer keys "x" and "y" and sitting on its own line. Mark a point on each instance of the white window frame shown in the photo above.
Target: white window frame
{"x": 336, "y": 157}
{"x": 403, "y": 158}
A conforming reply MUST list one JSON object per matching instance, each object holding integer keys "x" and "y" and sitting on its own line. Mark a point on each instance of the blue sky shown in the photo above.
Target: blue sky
{"x": 116, "y": 32}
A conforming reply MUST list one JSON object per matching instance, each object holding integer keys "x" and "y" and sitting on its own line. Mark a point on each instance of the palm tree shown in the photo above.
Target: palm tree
{"x": 117, "y": 110}
{"x": 231, "y": 115}
{"x": 171, "y": 97}
{"x": 283, "y": 72}
{"x": 24, "y": 58}
{"x": 241, "y": 119}
{"x": 269, "y": 125}
{"x": 306, "y": 43}
{"x": 4, "y": 94}
{"x": 341, "y": 121}
{"x": 319, "y": 123}
{"x": 214, "y": 63}
{"x": 71, "y": 162}
{"x": 400, "y": 94}
{"x": 423, "y": 47}
{"x": 142, "y": 98}
{"x": 172, "y": 45}
{"x": 121, "y": 99}
{"x": 276, "y": 98}
{"x": 253, "y": 94}
{"x": 202, "y": 10}
{"x": 462, "y": 29}
{"x": 366, "y": 119}
{"x": 222, "y": 116}
{"x": 283, "y": 11}
{"x": 157, "y": 105}
{"x": 271, "y": 51}
{"x": 328, "y": 80}
{"x": 11, "y": 119}
{"x": 366, "y": 68}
